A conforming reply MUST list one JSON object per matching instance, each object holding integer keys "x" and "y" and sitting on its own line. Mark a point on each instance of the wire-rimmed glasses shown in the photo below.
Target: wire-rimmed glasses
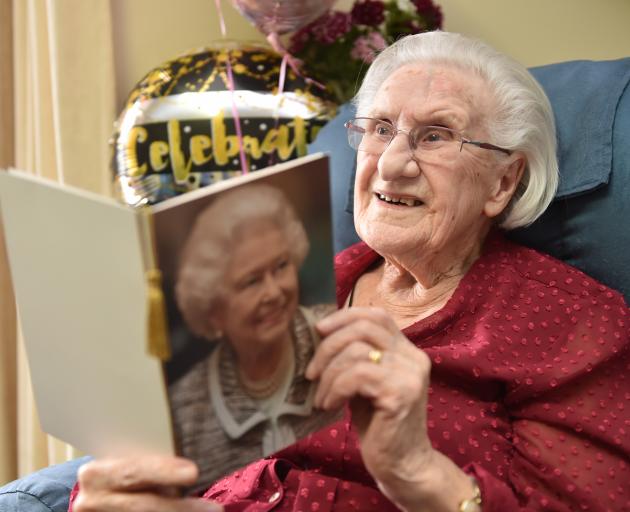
{"x": 374, "y": 135}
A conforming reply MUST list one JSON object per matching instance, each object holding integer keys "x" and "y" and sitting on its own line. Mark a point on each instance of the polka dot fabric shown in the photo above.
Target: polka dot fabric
{"x": 529, "y": 393}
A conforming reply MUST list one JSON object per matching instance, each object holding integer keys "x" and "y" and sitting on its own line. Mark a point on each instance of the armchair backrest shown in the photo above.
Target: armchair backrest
{"x": 588, "y": 223}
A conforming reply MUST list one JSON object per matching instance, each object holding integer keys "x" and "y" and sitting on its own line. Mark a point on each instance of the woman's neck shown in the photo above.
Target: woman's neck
{"x": 263, "y": 388}
{"x": 411, "y": 288}
{"x": 262, "y": 364}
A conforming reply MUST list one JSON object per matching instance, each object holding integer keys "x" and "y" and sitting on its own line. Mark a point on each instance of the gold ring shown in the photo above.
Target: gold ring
{"x": 375, "y": 356}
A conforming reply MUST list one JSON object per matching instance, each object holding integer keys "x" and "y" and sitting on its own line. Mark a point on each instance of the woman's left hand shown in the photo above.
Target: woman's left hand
{"x": 366, "y": 360}
{"x": 388, "y": 394}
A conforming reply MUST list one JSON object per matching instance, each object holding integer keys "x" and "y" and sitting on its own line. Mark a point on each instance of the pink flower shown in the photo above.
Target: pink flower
{"x": 368, "y": 12}
{"x": 366, "y": 47}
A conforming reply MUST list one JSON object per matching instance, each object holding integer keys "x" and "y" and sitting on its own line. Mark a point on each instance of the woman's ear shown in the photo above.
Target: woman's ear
{"x": 507, "y": 180}
{"x": 213, "y": 325}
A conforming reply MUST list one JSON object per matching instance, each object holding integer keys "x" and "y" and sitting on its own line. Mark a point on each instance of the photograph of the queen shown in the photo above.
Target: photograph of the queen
{"x": 237, "y": 287}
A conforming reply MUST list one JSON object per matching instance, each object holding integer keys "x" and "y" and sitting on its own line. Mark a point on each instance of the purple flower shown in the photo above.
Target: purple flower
{"x": 299, "y": 40}
{"x": 366, "y": 47}
{"x": 326, "y": 30}
{"x": 424, "y": 6}
{"x": 331, "y": 26}
{"x": 368, "y": 12}
{"x": 431, "y": 12}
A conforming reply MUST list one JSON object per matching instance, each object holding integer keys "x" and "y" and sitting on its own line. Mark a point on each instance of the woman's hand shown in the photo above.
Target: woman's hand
{"x": 391, "y": 420}
{"x": 138, "y": 484}
{"x": 388, "y": 398}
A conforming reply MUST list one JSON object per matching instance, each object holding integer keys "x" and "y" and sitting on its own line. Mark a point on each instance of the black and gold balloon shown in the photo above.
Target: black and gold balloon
{"x": 177, "y": 132}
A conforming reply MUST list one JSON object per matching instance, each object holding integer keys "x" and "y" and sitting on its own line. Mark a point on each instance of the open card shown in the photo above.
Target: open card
{"x": 183, "y": 327}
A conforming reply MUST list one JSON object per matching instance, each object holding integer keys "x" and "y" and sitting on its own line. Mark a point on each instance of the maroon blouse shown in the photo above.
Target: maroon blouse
{"x": 528, "y": 393}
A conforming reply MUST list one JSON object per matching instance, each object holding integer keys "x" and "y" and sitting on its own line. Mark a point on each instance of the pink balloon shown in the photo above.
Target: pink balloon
{"x": 281, "y": 16}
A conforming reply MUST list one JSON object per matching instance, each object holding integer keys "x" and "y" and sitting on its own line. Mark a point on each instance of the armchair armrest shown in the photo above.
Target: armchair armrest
{"x": 47, "y": 490}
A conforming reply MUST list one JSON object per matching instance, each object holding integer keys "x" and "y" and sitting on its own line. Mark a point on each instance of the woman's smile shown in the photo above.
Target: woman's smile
{"x": 396, "y": 200}
{"x": 271, "y": 316}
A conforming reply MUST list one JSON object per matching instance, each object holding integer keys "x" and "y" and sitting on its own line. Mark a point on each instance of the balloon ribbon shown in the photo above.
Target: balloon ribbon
{"x": 230, "y": 81}
{"x": 293, "y": 62}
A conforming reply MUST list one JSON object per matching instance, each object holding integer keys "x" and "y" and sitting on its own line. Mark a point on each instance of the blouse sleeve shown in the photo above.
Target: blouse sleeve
{"x": 570, "y": 422}
{"x": 73, "y": 496}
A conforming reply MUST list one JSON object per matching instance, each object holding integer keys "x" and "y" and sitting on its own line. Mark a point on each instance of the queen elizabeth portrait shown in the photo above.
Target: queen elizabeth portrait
{"x": 237, "y": 287}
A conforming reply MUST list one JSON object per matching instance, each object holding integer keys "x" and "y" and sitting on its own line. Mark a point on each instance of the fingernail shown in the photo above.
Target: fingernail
{"x": 185, "y": 468}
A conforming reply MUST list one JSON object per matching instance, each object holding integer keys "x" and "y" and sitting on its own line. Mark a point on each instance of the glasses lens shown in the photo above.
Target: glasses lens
{"x": 370, "y": 135}
{"x": 355, "y": 134}
{"x": 431, "y": 138}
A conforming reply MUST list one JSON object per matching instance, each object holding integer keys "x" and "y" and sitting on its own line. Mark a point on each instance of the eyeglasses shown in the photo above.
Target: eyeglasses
{"x": 374, "y": 135}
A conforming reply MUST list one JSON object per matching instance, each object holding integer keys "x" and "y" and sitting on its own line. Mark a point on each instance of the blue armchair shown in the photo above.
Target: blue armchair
{"x": 47, "y": 490}
{"x": 587, "y": 225}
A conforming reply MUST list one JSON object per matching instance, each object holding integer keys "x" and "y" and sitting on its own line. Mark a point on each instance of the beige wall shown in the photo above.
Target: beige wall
{"x": 147, "y": 32}
{"x": 544, "y": 31}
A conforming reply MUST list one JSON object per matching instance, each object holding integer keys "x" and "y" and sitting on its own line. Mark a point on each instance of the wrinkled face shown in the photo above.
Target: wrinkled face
{"x": 260, "y": 290}
{"x": 445, "y": 198}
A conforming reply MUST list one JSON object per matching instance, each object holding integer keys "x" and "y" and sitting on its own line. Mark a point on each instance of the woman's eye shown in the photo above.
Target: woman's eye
{"x": 282, "y": 264}
{"x": 433, "y": 136}
{"x": 383, "y": 130}
{"x": 248, "y": 282}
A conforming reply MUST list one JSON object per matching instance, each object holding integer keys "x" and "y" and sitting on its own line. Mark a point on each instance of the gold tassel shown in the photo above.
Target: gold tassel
{"x": 158, "y": 343}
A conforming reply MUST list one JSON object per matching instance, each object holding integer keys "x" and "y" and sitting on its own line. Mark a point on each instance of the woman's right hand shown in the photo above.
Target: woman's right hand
{"x": 138, "y": 484}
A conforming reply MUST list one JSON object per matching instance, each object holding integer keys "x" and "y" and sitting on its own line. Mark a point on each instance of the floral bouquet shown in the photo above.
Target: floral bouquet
{"x": 338, "y": 47}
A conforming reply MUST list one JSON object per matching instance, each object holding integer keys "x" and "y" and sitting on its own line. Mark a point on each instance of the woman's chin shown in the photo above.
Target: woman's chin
{"x": 386, "y": 238}
{"x": 270, "y": 333}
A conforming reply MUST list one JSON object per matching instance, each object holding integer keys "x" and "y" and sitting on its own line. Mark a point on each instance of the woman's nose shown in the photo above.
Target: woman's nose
{"x": 397, "y": 160}
{"x": 271, "y": 288}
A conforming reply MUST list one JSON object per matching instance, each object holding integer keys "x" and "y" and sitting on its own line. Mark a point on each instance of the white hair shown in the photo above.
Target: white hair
{"x": 215, "y": 233}
{"x": 522, "y": 119}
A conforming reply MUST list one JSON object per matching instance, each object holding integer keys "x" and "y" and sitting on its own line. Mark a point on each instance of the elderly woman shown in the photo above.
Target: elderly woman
{"x": 480, "y": 375}
{"x": 237, "y": 285}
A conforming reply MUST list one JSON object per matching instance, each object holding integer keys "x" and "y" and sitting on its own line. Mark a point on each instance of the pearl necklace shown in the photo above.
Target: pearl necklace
{"x": 264, "y": 388}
